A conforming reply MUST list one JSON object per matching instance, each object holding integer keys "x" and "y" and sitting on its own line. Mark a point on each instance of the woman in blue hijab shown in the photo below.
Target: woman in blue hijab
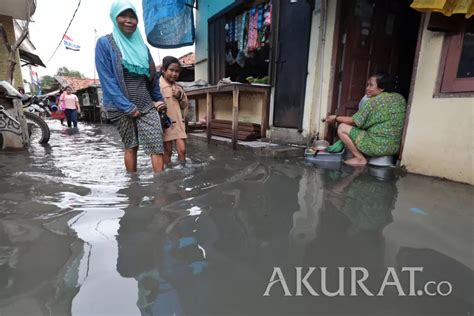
{"x": 131, "y": 91}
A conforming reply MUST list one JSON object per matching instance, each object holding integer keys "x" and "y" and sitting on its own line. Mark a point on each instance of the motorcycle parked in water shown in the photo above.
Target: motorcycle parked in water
{"x": 38, "y": 105}
{"x": 38, "y": 130}
{"x": 34, "y": 109}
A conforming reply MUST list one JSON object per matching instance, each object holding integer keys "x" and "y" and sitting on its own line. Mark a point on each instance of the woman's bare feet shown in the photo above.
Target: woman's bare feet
{"x": 356, "y": 162}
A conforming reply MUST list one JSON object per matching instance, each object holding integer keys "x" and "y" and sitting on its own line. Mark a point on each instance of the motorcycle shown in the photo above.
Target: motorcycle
{"x": 38, "y": 105}
{"x": 38, "y": 130}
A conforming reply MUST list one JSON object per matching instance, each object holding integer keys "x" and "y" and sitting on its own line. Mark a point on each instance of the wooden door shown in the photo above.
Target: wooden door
{"x": 369, "y": 44}
{"x": 294, "y": 28}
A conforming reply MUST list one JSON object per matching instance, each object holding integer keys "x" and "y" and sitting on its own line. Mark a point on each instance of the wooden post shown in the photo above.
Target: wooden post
{"x": 209, "y": 116}
{"x": 265, "y": 114}
{"x": 235, "y": 116}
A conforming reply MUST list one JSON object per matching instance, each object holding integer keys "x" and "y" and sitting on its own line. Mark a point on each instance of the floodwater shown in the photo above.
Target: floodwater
{"x": 78, "y": 236}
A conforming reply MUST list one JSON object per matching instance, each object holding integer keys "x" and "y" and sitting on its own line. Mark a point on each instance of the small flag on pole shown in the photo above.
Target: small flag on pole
{"x": 34, "y": 77}
{"x": 70, "y": 44}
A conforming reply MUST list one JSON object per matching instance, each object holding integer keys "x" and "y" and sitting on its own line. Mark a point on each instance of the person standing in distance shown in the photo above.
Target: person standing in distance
{"x": 71, "y": 106}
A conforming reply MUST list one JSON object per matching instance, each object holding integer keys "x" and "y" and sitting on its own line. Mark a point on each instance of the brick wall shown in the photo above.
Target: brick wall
{"x": 7, "y": 22}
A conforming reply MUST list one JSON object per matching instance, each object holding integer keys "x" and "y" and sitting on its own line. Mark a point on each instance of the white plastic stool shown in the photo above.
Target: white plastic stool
{"x": 381, "y": 161}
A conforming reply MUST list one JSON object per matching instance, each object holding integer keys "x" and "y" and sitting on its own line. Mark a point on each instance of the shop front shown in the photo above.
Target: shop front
{"x": 264, "y": 44}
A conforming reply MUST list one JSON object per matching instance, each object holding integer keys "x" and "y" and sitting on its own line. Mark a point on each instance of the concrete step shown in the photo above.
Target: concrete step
{"x": 260, "y": 148}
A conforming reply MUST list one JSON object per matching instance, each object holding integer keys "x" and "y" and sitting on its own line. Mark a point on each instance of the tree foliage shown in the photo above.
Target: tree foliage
{"x": 64, "y": 71}
{"x": 48, "y": 81}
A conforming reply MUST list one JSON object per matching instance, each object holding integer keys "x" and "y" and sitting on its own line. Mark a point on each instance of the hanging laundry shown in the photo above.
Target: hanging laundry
{"x": 260, "y": 17}
{"x": 260, "y": 10}
{"x": 227, "y": 33}
{"x": 169, "y": 24}
{"x": 264, "y": 37}
{"x": 238, "y": 31}
{"x": 252, "y": 41}
{"x": 232, "y": 30}
{"x": 240, "y": 59}
{"x": 245, "y": 26}
{"x": 268, "y": 15}
{"x": 229, "y": 58}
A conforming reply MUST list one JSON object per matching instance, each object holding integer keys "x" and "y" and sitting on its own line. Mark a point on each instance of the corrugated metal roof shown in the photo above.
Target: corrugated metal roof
{"x": 76, "y": 83}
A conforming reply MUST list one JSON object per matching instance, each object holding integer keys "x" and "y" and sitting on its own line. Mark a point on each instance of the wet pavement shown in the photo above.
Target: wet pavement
{"x": 78, "y": 236}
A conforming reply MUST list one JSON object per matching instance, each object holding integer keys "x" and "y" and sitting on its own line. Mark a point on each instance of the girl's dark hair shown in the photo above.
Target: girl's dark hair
{"x": 168, "y": 60}
{"x": 385, "y": 82}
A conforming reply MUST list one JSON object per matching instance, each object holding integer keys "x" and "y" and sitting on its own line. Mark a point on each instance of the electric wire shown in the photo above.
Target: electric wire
{"x": 65, "y": 32}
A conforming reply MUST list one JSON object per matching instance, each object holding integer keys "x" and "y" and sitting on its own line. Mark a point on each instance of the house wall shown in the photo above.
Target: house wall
{"x": 317, "y": 99}
{"x": 205, "y": 10}
{"x": 7, "y": 22}
{"x": 439, "y": 137}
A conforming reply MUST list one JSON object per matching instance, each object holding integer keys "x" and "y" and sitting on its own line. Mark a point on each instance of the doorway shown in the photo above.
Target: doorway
{"x": 291, "y": 65}
{"x": 374, "y": 36}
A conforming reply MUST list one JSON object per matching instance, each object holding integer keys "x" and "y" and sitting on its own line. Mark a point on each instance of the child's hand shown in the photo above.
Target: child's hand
{"x": 160, "y": 106}
{"x": 177, "y": 93}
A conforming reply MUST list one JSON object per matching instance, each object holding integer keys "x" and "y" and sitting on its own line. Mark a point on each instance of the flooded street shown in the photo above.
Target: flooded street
{"x": 78, "y": 236}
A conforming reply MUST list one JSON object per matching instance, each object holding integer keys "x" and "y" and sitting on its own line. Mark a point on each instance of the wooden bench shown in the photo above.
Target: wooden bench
{"x": 252, "y": 128}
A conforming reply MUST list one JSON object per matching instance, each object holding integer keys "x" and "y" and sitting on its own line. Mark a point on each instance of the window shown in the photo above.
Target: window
{"x": 458, "y": 72}
{"x": 85, "y": 99}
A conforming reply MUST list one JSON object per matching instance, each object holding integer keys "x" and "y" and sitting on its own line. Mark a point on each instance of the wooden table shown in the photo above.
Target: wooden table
{"x": 235, "y": 89}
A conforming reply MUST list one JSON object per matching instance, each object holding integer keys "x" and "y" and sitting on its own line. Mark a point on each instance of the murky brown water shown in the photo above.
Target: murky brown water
{"x": 78, "y": 236}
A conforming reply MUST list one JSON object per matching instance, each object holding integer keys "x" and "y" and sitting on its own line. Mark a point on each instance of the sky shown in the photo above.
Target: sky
{"x": 50, "y": 21}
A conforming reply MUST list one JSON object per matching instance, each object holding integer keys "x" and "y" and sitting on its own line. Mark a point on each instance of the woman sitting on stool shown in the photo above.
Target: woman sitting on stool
{"x": 377, "y": 128}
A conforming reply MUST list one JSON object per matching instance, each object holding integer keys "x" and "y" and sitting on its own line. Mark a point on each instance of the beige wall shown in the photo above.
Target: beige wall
{"x": 200, "y": 71}
{"x": 7, "y": 22}
{"x": 440, "y": 135}
{"x": 322, "y": 86}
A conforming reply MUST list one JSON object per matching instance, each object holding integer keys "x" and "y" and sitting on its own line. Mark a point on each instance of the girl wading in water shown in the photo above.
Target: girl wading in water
{"x": 176, "y": 102}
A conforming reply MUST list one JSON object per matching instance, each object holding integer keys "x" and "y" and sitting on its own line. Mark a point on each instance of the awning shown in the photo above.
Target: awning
{"x": 31, "y": 58}
{"x": 55, "y": 92}
{"x": 17, "y": 9}
{"x": 446, "y": 7}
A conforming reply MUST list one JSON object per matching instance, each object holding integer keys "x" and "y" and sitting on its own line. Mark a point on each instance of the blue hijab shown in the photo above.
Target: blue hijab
{"x": 133, "y": 48}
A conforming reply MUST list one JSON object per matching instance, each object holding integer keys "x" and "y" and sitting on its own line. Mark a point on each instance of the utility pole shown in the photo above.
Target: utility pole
{"x": 95, "y": 41}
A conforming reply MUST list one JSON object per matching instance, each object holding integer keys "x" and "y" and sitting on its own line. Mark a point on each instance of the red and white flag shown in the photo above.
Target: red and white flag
{"x": 70, "y": 44}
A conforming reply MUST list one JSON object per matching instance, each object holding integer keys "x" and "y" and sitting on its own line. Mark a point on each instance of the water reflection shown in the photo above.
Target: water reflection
{"x": 78, "y": 236}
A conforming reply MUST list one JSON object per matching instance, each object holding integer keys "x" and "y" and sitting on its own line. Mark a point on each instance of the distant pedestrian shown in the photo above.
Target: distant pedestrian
{"x": 71, "y": 106}
{"x": 56, "y": 110}
{"x": 130, "y": 87}
{"x": 176, "y": 102}
{"x": 61, "y": 108}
